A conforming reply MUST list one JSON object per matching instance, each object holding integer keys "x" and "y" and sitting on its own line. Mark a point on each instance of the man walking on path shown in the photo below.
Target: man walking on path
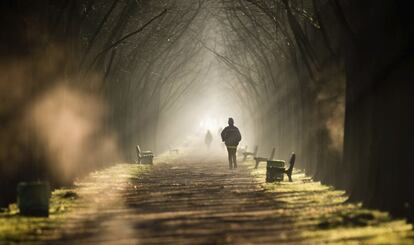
{"x": 208, "y": 139}
{"x": 231, "y": 137}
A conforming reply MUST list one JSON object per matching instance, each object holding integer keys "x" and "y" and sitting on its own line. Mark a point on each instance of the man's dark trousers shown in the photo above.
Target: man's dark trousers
{"x": 232, "y": 156}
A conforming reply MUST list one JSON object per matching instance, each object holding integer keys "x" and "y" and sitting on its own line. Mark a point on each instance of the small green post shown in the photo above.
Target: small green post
{"x": 33, "y": 198}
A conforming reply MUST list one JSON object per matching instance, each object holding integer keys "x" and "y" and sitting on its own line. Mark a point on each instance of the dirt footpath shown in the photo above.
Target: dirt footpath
{"x": 206, "y": 203}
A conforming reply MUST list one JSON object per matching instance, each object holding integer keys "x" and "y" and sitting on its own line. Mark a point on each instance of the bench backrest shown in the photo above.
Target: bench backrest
{"x": 292, "y": 162}
{"x": 138, "y": 150}
{"x": 256, "y": 148}
{"x": 272, "y": 154}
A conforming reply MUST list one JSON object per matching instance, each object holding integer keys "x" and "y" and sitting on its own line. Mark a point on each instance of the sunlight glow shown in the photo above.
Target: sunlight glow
{"x": 209, "y": 123}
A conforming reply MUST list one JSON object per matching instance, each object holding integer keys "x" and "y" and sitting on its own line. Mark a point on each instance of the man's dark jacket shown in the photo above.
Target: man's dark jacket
{"x": 231, "y": 135}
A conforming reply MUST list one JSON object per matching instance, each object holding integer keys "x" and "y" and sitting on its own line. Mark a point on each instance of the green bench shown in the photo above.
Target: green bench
{"x": 275, "y": 169}
{"x": 254, "y": 153}
{"x": 144, "y": 157}
{"x": 264, "y": 159}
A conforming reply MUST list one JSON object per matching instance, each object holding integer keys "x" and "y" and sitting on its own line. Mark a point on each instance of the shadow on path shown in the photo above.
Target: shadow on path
{"x": 205, "y": 203}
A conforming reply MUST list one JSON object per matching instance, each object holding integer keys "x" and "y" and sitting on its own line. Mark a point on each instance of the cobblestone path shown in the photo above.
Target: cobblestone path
{"x": 205, "y": 203}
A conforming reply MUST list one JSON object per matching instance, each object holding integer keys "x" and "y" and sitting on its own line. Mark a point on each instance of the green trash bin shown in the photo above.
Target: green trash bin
{"x": 33, "y": 198}
{"x": 275, "y": 170}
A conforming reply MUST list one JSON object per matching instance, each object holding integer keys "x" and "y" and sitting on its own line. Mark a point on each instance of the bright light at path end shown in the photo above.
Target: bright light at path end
{"x": 209, "y": 123}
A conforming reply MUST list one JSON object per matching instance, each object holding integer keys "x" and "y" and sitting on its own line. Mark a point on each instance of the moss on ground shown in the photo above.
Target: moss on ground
{"x": 322, "y": 214}
{"x": 15, "y": 228}
{"x": 318, "y": 213}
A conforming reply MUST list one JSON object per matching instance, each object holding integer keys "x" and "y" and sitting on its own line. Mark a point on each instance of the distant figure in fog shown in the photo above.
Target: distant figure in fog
{"x": 231, "y": 137}
{"x": 208, "y": 139}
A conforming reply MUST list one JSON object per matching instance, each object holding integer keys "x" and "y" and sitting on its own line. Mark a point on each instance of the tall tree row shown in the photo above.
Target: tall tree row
{"x": 97, "y": 73}
{"x": 280, "y": 55}
{"x": 334, "y": 79}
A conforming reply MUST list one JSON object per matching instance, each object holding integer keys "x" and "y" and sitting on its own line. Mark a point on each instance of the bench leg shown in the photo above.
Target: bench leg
{"x": 257, "y": 164}
{"x": 288, "y": 172}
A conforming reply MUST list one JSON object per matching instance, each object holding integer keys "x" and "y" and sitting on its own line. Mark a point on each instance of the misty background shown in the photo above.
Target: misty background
{"x": 82, "y": 82}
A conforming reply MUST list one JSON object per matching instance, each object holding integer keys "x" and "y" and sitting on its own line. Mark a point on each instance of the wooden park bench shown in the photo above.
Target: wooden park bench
{"x": 264, "y": 159}
{"x": 241, "y": 150}
{"x": 275, "y": 170}
{"x": 144, "y": 157}
{"x": 254, "y": 153}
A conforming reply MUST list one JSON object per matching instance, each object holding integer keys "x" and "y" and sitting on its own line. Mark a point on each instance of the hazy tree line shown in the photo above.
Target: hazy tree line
{"x": 334, "y": 79}
{"x": 121, "y": 62}
{"x": 287, "y": 66}
{"x": 328, "y": 79}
